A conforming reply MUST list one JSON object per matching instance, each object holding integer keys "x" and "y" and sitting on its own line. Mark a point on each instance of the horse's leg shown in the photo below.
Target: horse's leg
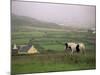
{"x": 65, "y": 51}
{"x": 72, "y": 52}
{"x": 82, "y": 51}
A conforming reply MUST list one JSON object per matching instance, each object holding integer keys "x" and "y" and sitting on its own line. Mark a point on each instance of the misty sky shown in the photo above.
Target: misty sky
{"x": 57, "y": 13}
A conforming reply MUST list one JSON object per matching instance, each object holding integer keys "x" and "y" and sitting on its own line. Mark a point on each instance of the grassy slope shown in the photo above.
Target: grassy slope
{"x": 53, "y": 39}
{"x": 22, "y": 23}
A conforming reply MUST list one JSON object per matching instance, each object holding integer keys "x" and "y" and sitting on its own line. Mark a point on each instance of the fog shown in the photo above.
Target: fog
{"x": 63, "y": 14}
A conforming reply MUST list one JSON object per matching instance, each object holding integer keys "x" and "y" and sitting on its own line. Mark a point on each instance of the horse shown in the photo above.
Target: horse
{"x": 75, "y": 47}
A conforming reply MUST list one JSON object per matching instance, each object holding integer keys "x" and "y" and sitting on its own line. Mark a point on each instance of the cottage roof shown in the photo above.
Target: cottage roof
{"x": 24, "y": 48}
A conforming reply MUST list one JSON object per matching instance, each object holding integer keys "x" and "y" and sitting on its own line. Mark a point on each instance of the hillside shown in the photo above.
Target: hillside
{"x": 19, "y": 23}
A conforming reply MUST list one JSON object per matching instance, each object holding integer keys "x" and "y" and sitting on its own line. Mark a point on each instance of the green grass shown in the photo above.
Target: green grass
{"x": 37, "y": 68}
{"x": 52, "y": 57}
{"x": 56, "y": 47}
{"x": 51, "y": 62}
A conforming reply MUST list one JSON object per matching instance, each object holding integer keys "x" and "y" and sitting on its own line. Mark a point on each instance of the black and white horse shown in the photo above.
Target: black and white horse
{"x": 75, "y": 47}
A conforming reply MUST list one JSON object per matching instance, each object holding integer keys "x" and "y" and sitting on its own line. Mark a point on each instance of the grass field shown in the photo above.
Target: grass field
{"x": 51, "y": 63}
{"x": 44, "y": 38}
{"x": 49, "y": 39}
{"x": 52, "y": 56}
